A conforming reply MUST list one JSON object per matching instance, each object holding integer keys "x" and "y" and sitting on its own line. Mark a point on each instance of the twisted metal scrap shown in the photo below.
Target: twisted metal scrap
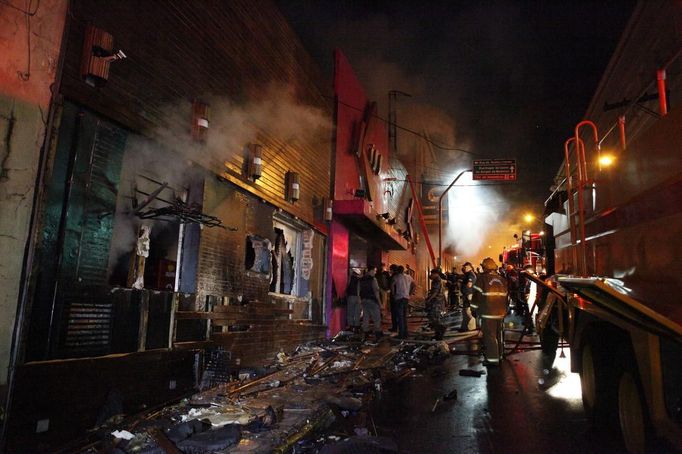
{"x": 185, "y": 213}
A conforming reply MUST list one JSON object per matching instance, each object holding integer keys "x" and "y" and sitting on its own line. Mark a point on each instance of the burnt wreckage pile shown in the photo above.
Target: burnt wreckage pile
{"x": 313, "y": 400}
{"x": 285, "y": 407}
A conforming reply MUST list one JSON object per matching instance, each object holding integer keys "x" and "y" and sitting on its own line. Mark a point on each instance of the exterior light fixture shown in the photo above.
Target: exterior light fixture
{"x": 528, "y": 218}
{"x": 328, "y": 209}
{"x": 606, "y": 160}
{"x": 293, "y": 186}
{"x": 255, "y": 161}
{"x": 199, "y": 120}
{"x": 98, "y": 53}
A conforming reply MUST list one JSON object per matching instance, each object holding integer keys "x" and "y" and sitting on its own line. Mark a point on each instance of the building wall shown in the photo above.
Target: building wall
{"x": 242, "y": 60}
{"x": 361, "y": 138}
{"x": 24, "y": 106}
{"x": 239, "y": 57}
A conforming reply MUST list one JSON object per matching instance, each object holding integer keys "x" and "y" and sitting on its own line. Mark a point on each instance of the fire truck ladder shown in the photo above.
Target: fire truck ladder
{"x": 576, "y": 218}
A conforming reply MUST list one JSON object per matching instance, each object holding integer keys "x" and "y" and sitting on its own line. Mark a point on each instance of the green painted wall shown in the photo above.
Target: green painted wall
{"x": 28, "y": 68}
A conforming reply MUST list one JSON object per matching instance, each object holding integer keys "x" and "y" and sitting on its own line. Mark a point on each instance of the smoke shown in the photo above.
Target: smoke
{"x": 475, "y": 212}
{"x": 273, "y": 112}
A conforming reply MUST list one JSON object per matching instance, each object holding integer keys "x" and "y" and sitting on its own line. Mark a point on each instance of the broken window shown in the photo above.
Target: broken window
{"x": 284, "y": 260}
{"x": 155, "y": 187}
{"x": 257, "y": 254}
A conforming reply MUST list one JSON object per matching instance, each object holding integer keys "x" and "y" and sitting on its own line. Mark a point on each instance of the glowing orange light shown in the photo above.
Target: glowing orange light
{"x": 606, "y": 160}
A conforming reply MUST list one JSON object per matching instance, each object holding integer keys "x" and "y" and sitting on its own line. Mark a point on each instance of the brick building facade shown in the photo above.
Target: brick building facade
{"x": 210, "y": 132}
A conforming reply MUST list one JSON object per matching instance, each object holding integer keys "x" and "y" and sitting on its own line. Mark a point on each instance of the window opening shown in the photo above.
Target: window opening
{"x": 257, "y": 254}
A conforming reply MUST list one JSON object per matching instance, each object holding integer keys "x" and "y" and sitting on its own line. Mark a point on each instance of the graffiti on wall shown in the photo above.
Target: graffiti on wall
{"x": 307, "y": 254}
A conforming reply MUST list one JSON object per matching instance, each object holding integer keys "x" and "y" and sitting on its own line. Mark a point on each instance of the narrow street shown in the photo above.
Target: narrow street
{"x": 502, "y": 411}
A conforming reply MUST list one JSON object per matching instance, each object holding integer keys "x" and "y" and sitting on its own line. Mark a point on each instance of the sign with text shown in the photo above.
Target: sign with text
{"x": 495, "y": 169}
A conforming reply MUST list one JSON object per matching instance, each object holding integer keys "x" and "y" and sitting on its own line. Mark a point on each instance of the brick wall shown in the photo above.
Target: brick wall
{"x": 221, "y": 272}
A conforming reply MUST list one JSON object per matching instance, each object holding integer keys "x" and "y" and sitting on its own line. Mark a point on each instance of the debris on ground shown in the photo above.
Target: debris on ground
{"x": 290, "y": 405}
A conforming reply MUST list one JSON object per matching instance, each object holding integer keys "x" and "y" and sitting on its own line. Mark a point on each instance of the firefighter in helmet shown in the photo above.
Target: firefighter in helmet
{"x": 491, "y": 295}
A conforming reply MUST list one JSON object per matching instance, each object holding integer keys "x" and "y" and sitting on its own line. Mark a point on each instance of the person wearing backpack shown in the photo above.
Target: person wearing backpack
{"x": 371, "y": 298}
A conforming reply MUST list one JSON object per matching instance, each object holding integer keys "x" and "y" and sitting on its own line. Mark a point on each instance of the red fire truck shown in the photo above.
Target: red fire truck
{"x": 616, "y": 216}
{"x": 530, "y": 250}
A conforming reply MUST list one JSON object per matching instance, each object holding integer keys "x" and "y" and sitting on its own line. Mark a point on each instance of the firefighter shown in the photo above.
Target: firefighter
{"x": 467, "y": 289}
{"x": 434, "y": 303}
{"x": 453, "y": 292}
{"x": 491, "y": 296}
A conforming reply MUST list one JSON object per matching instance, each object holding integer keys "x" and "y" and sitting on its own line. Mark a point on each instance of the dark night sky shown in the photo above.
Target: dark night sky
{"x": 505, "y": 79}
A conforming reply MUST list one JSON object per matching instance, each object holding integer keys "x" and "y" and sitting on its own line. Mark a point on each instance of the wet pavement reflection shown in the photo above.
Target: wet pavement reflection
{"x": 503, "y": 411}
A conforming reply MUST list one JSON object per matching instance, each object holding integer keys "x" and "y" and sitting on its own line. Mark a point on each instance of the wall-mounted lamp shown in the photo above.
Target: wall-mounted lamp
{"x": 254, "y": 164}
{"x": 200, "y": 119}
{"x": 328, "y": 205}
{"x": 293, "y": 186}
{"x": 98, "y": 53}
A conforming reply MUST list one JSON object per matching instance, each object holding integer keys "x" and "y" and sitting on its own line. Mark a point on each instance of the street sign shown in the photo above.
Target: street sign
{"x": 495, "y": 169}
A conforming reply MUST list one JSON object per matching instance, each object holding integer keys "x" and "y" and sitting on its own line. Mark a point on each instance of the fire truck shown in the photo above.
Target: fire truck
{"x": 530, "y": 250}
{"x": 616, "y": 216}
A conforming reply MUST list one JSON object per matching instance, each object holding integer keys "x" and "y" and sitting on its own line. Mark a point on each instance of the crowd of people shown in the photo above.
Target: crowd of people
{"x": 367, "y": 294}
{"x": 484, "y": 296}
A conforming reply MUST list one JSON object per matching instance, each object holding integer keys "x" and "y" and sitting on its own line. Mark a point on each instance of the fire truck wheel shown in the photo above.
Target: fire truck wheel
{"x": 588, "y": 381}
{"x": 597, "y": 384}
{"x": 632, "y": 414}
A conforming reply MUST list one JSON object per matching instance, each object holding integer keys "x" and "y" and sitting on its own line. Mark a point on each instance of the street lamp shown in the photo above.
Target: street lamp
{"x": 440, "y": 216}
{"x": 606, "y": 160}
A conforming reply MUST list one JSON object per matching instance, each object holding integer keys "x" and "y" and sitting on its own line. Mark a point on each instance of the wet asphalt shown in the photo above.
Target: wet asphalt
{"x": 504, "y": 411}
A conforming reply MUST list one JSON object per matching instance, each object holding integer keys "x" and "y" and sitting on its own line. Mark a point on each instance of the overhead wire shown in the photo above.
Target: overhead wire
{"x": 411, "y": 131}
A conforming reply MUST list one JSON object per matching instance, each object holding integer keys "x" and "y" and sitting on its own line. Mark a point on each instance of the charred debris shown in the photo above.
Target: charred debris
{"x": 311, "y": 400}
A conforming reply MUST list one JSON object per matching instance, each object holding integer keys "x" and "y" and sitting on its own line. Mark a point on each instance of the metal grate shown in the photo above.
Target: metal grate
{"x": 88, "y": 328}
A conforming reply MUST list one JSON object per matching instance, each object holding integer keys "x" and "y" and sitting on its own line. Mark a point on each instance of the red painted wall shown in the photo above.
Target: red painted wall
{"x": 351, "y": 105}
{"x": 339, "y": 239}
{"x": 354, "y": 111}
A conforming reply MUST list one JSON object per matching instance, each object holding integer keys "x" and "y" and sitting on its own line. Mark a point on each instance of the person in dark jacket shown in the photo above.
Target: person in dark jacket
{"x": 401, "y": 286}
{"x": 370, "y": 296}
{"x": 353, "y": 304}
{"x": 467, "y": 289}
{"x": 491, "y": 296}
{"x": 435, "y": 302}
{"x": 392, "y": 299}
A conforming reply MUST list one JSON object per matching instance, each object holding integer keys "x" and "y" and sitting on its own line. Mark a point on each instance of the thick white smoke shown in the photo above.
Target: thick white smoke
{"x": 475, "y": 214}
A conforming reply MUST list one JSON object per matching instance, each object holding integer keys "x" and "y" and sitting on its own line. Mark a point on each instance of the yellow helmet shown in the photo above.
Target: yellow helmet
{"x": 489, "y": 264}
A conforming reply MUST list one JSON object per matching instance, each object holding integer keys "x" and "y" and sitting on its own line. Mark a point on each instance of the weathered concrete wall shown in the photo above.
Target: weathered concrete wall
{"x": 24, "y": 104}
